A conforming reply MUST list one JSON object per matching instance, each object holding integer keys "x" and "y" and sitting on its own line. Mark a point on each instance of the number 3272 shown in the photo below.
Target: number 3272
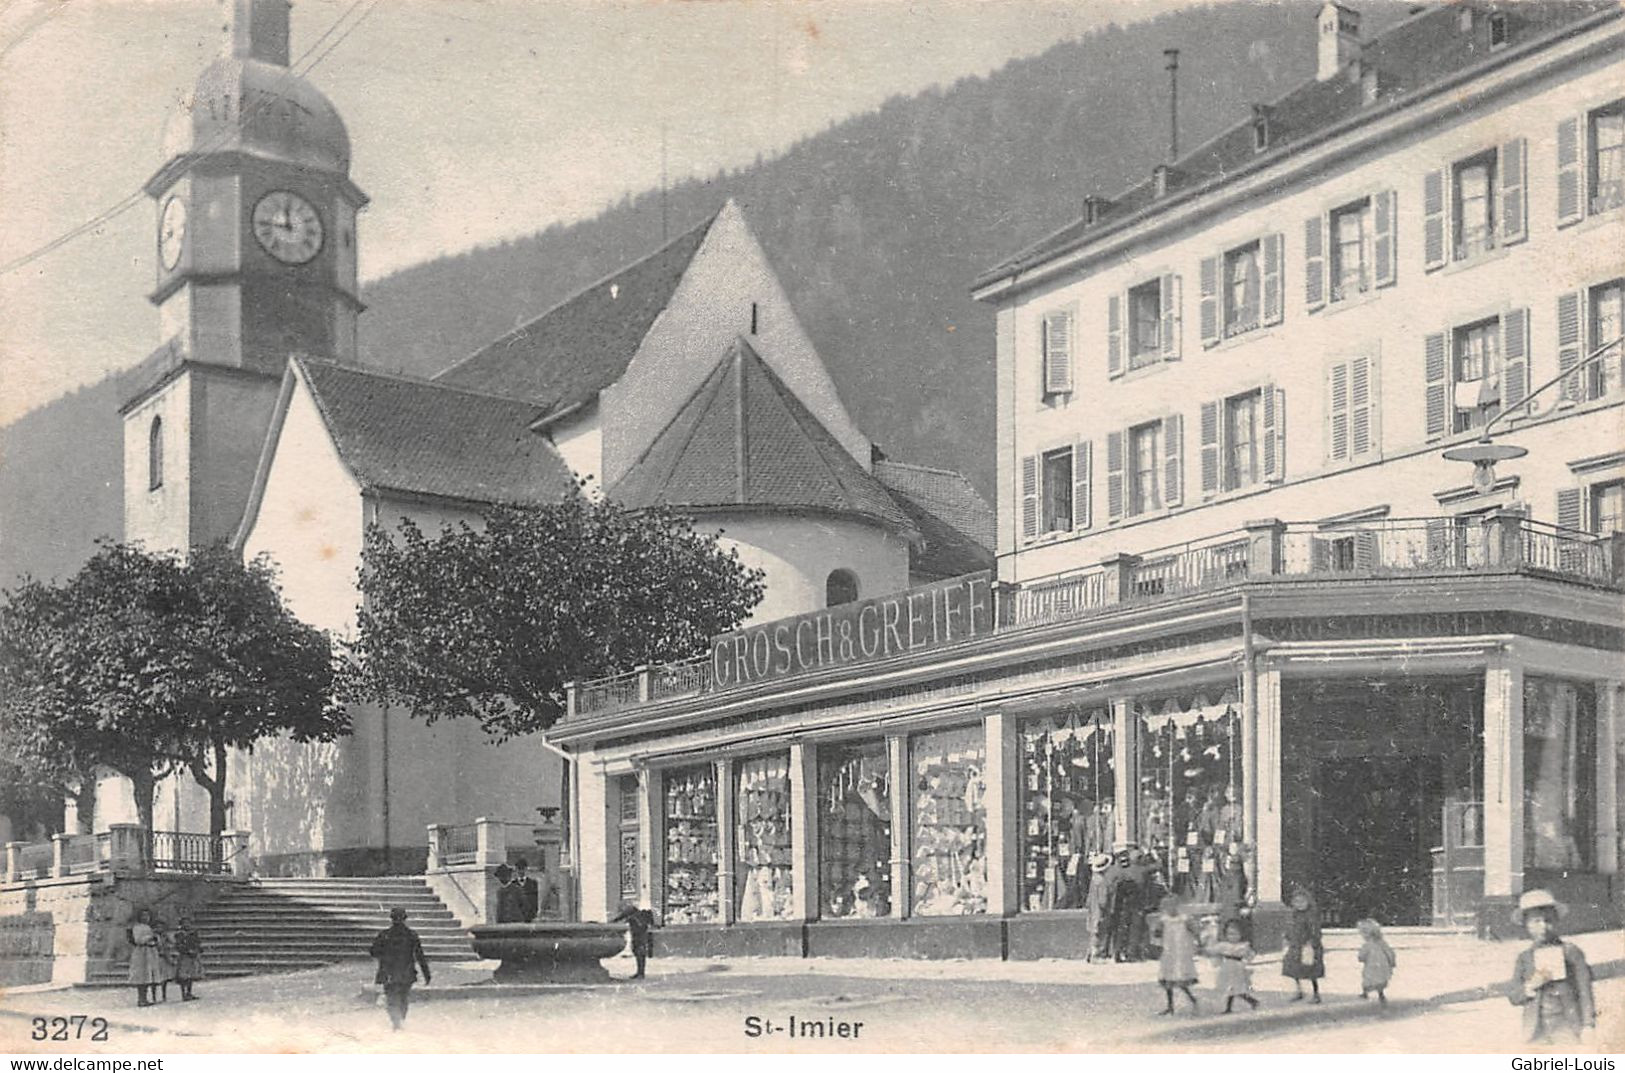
{"x": 62, "y": 1029}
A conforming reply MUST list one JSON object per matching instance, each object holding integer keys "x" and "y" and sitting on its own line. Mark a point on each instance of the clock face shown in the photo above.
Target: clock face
{"x": 172, "y": 232}
{"x": 288, "y": 227}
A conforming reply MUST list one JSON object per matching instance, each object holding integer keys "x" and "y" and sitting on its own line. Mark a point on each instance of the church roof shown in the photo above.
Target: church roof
{"x": 583, "y": 345}
{"x": 743, "y": 439}
{"x": 955, "y": 523}
{"x": 404, "y": 434}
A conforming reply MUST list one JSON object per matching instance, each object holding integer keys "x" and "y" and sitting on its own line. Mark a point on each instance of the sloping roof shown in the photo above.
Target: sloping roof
{"x": 955, "y": 524}
{"x": 404, "y": 434}
{"x": 1413, "y": 55}
{"x": 743, "y": 439}
{"x": 583, "y": 345}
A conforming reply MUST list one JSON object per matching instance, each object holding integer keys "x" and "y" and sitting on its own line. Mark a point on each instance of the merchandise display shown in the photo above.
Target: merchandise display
{"x": 1190, "y": 790}
{"x": 1068, "y": 785}
{"x": 1559, "y": 774}
{"x": 692, "y": 850}
{"x": 854, "y": 830}
{"x": 950, "y": 822}
{"x": 762, "y": 868}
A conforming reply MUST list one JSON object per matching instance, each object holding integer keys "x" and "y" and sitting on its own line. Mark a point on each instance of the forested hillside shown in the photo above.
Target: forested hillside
{"x": 877, "y": 227}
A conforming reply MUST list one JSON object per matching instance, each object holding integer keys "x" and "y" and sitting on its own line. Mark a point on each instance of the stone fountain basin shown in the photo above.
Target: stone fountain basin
{"x": 549, "y": 952}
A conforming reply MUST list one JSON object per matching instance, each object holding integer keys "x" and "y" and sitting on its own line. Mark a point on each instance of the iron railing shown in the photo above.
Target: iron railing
{"x": 607, "y": 694}
{"x": 189, "y": 852}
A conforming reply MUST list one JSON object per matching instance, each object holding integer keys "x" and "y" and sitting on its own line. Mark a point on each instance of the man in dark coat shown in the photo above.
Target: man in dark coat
{"x": 510, "y": 898}
{"x": 400, "y": 954}
{"x": 1125, "y": 903}
{"x": 640, "y": 927}
{"x": 530, "y": 897}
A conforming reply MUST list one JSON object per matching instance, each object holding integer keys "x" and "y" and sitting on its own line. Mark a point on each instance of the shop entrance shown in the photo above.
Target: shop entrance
{"x": 1377, "y": 819}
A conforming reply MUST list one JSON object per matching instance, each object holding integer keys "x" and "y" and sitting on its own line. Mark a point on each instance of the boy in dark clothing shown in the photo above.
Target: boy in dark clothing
{"x": 400, "y": 954}
{"x": 640, "y": 923}
{"x": 1551, "y": 980}
{"x": 530, "y": 897}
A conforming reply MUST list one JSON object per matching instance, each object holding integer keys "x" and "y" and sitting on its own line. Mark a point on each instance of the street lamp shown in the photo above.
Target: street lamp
{"x": 1484, "y": 453}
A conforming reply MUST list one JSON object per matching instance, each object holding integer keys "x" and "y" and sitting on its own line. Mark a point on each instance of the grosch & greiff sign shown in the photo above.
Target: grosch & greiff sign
{"x": 931, "y": 616}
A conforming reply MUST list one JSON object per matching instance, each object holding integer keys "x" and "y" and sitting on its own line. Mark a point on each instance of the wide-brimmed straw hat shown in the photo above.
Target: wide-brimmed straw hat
{"x": 1099, "y": 862}
{"x": 1538, "y": 899}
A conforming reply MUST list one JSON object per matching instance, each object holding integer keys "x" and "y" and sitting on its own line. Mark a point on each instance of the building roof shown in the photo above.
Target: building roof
{"x": 743, "y": 439}
{"x": 583, "y": 345}
{"x": 404, "y": 434}
{"x": 1431, "y": 46}
{"x": 955, "y": 524}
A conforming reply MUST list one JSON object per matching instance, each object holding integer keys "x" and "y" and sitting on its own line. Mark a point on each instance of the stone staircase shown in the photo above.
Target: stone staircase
{"x": 283, "y": 925}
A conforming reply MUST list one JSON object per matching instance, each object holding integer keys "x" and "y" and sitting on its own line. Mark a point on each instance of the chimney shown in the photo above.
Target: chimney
{"x": 1261, "y": 127}
{"x": 1172, "y": 56}
{"x": 257, "y": 30}
{"x": 1339, "y": 39}
{"x": 1094, "y": 208}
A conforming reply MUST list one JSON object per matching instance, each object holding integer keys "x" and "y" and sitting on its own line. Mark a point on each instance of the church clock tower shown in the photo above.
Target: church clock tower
{"x": 255, "y": 242}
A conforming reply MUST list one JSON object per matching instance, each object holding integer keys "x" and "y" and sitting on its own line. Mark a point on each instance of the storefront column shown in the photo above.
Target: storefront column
{"x": 725, "y": 839}
{"x": 1266, "y": 775}
{"x": 803, "y": 831}
{"x": 901, "y": 788}
{"x": 651, "y": 853}
{"x": 1608, "y": 744}
{"x": 1503, "y": 778}
{"x": 1125, "y": 758}
{"x": 598, "y": 866}
{"x": 1003, "y": 815}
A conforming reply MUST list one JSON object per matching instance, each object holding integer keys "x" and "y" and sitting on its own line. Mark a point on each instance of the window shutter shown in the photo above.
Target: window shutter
{"x": 1314, "y": 263}
{"x": 1029, "y": 497}
{"x": 1114, "y": 335}
{"x": 1570, "y": 514}
{"x": 1320, "y": 556}
{"x": 1362, "y": 399}
{"x": 1114, "y": 476}
{"x": 1210, "y": 449}
{"x": 1433, "y": 219}
{"x": 1436, "y": 374}
{"x": 1570, "y": 171}
{"x": 1208, "y": 281}
{"x": 1365, "y": 550}
{"x": 1385, "y": 240}
{"x": 1082, "y": 486}
{"x": 1514, "y": 191}
{"x": 1274, "y": 273}
{"x": 1173, "y": 436}
{"x": 1058, "y": 352}
{"x": 1337, "y": 413}
{"x": 1170, "y": 317}
{"x": 1515, "y": 357}
{"x": 1274, "y": 432}
{"x": 1568, "y": 341}
{"x": 1438, "y": 542}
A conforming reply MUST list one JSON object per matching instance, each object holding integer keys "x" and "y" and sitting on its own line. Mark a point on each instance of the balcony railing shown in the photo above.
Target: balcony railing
{"x": 1387, "y": 547}
{"x": 126, "y": 849}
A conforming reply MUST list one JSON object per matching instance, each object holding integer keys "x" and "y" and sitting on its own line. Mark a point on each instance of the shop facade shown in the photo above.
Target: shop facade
{"x": 1251, "y": 717}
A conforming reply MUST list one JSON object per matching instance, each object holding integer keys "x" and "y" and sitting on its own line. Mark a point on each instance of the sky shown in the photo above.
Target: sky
{"x": 471, "y": 121}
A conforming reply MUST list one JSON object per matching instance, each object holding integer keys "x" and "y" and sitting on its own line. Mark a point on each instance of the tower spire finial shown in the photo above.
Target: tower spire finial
{"x": 257, "y": 30}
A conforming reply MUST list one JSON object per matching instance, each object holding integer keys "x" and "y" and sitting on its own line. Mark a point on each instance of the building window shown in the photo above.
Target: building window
{"x": 1474, "y": 204}
{"x": 692, "y": 850}
{"x": 155, "y": 454}
{"x": 1607, "y": 165}
{"x": 1145, "y": 324}
{"x": 1241, "y": 440}
{"x": 841, "y": 587}
{"x": 1057, "y": 485}
{"x": 854, "y": 830}
{"x": 949, "y": 789}
{"x": 1559, "y": 775}
{"x": 762, "y": 868}
{"x": 1476, "y": 364}
{"x": 1068, "y": 787}
{"x": 1608, "y": 508}
{"x": 1607, "y": 321}
{"x": 1498, "y": 30}
{"x": 629, "y": 848}
{"x": 1243, "y": 289}
{"x": 1145, "y": 462}
{"x": 1351, "y": 250}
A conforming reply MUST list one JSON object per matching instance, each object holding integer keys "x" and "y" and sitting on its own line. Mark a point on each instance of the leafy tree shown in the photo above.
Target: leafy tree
{"x": 490, "y": 622}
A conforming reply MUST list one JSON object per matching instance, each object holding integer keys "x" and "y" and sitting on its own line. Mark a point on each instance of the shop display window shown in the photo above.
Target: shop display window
{"x": 1559, "y": 774}
{"x": 854, "y": 830}
{"x": 1190, "y": 807}
{"x": 692, "y": 852}
{"x": 762, "y": 875}
{"x": 1068, "y": 789}
{"x": 950, "y": 821}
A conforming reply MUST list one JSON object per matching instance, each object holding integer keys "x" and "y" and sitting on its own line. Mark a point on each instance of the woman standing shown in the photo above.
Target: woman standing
{"x": 1305, "y": 956}
{"x": 147, "y": 970}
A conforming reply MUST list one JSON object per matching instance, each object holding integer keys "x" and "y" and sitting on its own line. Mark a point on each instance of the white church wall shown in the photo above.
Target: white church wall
{"x": 159, "y": 517}
{"x": 712, "y": 307}
{"x": 797, "y": 552}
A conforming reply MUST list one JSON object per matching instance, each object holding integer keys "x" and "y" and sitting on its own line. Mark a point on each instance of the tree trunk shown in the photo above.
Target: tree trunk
{"x": 215, "y": 784}
{"x": 144, "y": 784}
{"x": 84, "y": 803}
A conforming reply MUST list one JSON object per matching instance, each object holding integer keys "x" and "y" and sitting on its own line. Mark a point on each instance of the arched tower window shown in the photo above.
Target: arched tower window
{"x": 840, "y": 588}
{"x": 155, "y": 454}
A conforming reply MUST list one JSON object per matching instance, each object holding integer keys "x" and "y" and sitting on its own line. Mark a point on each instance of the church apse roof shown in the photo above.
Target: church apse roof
{"x": 583, "y": 345}
{"x": 955, "y": 523}
{"x": 744, "y": 440}
{"x": 403, "y": 434}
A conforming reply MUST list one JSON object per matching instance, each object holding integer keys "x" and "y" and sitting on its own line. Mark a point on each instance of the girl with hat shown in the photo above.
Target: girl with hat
{"x": 1551, "y": 980}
